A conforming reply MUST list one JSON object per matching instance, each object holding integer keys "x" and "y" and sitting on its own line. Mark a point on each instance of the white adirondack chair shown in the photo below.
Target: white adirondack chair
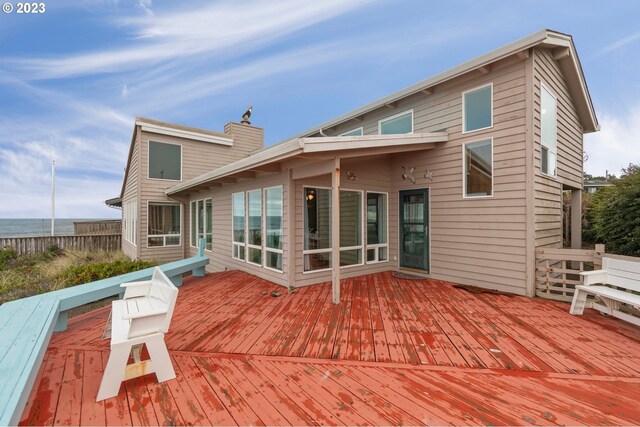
{"x": 142, "y": 317}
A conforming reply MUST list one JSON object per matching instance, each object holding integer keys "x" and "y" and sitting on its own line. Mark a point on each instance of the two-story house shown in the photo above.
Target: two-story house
{"x": 458, "y": 177}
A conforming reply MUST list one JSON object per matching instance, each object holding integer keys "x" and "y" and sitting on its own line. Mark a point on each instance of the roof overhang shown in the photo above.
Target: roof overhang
{"x": 194, "y": 134}
{"x": 116, "y": 202}
{"x": 569, "y": 64}
{"x": 319, "y": 148}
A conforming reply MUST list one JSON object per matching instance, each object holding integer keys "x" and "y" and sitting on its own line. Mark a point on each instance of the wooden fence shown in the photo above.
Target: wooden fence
{"x": 107, "y": 226}
{"x": 558, "y": 270}
{"x": 39, "y": 244}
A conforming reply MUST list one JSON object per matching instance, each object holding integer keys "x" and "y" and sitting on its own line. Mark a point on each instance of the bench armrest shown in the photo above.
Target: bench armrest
{"x": 591, "y": 277}
{"x": 143, "y": 314}
{"x": 136, "y": 289}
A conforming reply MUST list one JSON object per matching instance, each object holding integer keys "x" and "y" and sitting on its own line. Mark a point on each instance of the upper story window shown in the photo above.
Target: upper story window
{"x": 165, "y": 161}
{"x": 548, "y": 131}
{"x": 477, "y": 108}
{"x": 353, "y": 132}
{"x": 400, "y": 123}
{"x": 478, "y": 169}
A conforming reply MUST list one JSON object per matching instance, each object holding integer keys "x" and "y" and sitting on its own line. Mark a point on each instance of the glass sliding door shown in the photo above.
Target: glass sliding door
{"x": 414, "y": 229}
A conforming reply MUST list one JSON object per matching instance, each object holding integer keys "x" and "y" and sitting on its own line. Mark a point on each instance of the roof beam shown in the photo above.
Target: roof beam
{"x": 523, "y": 54}
{"x": 427, "y": 91}
{"x": 391, "y": 105}
{"x": 560, "y": 53}
{"x": 484, "y": 69}
{"x": 269, "y": 167}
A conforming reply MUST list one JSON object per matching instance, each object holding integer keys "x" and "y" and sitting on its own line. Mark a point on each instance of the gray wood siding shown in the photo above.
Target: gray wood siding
{"x": 197, "y": 158}
{"x": 548, "y": 190}
{"x": 131, "y": 190}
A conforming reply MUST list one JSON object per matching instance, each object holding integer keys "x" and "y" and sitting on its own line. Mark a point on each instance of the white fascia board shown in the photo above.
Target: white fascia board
{"x": 339, "y": 143}
{"x": 164, "y": 130}
{"x": 273, "y": 154}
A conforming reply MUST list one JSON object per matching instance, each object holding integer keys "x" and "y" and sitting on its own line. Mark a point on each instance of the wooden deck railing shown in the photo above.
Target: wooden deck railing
{"x": 558, "y": 270}
{"x": 26, "y": 326}
{"x": 40, "y": 244}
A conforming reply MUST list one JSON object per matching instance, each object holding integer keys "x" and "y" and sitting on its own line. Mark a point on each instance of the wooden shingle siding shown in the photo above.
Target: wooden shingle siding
{"x": 548, "y": 190}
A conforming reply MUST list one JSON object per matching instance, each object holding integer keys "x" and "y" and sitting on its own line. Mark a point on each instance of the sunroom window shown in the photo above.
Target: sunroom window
{"x": 254, "y": 243}
{"x": 478, "y": 169}
{"x": 377, "y": 242}
{"x": 548, "y": 125}
{"x": 238, "y": 235}
{"x": 398, "y": 124}
{"x": 477, "y": 106}
{"x": 273, "y": 228}
{"x": 350, "y": 228}
{"x": 165, "y": 161}
{"x": 317, "y": 229}
{"x": 201, "y": 223}
{"x": 130, "y": 221}
{"x": 163, "y": 224}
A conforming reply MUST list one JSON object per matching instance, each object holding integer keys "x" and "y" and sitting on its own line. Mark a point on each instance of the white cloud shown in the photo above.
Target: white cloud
{"x": 616, "y": 145}
{"x": 618, "y": 44}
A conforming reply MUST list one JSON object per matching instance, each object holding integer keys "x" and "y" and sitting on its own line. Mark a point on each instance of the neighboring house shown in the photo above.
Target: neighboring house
{"x": 459, "y": 177}
{"x": 593, "y": 185}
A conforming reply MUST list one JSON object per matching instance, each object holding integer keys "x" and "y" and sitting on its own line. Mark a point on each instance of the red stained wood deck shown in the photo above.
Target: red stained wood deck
{"x": 394, "y": 352}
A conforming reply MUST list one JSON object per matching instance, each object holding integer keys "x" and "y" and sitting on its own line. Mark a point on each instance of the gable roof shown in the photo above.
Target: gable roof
{"x": 569, "y": 63}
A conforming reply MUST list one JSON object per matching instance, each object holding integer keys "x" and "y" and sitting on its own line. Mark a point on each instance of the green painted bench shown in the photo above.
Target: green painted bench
{"x": 26, "y": 326}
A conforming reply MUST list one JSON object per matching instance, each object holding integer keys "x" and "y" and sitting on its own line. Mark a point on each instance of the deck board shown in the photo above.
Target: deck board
{"x": 394, "y": 352}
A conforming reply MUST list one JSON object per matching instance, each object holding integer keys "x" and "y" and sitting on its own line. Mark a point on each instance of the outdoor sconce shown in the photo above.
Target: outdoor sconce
{"x": 407, "y": 174}
{"x": 351, "y": 175}
{"x": 310, "y": 195}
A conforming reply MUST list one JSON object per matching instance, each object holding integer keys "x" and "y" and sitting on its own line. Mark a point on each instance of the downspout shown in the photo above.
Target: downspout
{"x": 321, "y": 132}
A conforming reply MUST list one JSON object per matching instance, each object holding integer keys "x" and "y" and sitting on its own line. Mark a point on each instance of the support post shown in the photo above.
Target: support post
{"x": 61, "y": 323}
{"x": 576, "y": 219}
{"x": 335, "y": 232}
{"x": 290, "y": 263}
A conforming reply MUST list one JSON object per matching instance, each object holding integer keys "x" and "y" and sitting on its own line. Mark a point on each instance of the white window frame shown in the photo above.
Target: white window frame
{"x": 149, "y": 160}
{"x": 464, "y": 170}
{"x": 164, "y": 236}
{"x": 193, "y": 228}
{"x": 345, "y": 248}
{"x": 543, "y": 86}
{"x": 464, "y": 118}
{"x": 376, "y": 246}
{"x": 361, "y": 129}
{"x": 246, "y": 230}
{"x": 395, "y": 116}
{"x": 130, "y": 221}
{"x": 233, "y": 242}
{"x": 265, "y": 248}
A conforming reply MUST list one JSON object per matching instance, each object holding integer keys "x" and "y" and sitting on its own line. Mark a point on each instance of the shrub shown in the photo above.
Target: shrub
{"x": 86, "y": 273}
{"x": 7, "y": 254}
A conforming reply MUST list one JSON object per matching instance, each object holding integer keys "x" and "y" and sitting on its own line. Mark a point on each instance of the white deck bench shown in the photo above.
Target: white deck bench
{"x": 142, "y": 317}
{"x": 623, "y": 274}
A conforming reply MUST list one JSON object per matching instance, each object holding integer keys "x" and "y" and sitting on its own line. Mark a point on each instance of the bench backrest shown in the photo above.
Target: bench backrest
{"x": 165, "y": 291}
{"x": 622, "y": 273}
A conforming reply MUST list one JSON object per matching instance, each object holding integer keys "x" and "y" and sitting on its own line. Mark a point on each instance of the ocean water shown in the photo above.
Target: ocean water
{"x": 16, "y": 227}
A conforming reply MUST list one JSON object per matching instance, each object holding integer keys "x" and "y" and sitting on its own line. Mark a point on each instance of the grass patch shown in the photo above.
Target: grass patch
{"x": 26, "y": 275}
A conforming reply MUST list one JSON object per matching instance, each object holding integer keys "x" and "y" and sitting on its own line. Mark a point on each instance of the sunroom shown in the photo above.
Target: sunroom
{"x": 277, "y": 213}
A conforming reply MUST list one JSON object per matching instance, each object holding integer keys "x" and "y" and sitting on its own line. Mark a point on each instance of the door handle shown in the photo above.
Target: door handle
{"x": 426, "y": 230}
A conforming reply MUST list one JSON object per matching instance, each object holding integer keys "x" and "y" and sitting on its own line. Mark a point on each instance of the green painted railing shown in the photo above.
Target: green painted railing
{"x": 26, "y": 326}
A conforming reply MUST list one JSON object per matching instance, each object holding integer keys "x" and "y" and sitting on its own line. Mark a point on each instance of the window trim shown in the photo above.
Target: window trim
{"x": 246, "y": 230}
{"x": 544, "y": 86}
{"x": 194, "y": 227}
{"x": 346, "y": 248}
{"x": 133, "y": 203}
{"x": 490, "y": 84}
{"x": 361, "y": 129}
{"x": 149, "y": 160}
{"x": 233, "y": 242}
{"x": 395, "y": 116}
{"x": 376, "y": 246}
{"x": 464, "y": 170}
{"x": 164, "y": 236}
{"x": 265, "y": 248}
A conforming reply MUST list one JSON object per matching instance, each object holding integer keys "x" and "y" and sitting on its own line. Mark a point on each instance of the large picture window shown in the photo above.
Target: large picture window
{"x": 398, "y": 124}
{"x": 273, "y": 228}
{"x": 130, "y": 221}
{"x": 350, "y": 228}
{"x": 163, "y": 224}
{"x": 317, "y": 229}
{"x": 165, "y": 161}
{"x": 377, "y": 237}
{"x": 254, "y": 222}
{"x": 477, "y": 108}
{"x": 478, "y": 169}
{"x": 238, "y": 236}
{"x": 548, "y": 125}
{"x": 202, "y": 223}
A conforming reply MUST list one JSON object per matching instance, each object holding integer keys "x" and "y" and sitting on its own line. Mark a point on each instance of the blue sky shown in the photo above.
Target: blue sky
{"x": 72, "y": 79}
